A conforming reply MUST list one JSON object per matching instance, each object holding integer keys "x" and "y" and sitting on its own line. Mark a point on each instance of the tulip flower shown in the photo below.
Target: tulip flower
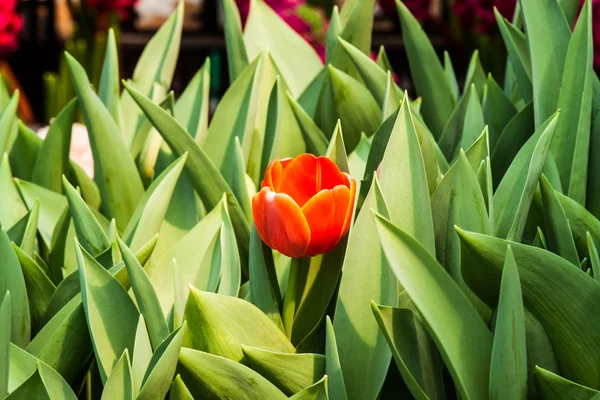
{"x": 305, "y": 205}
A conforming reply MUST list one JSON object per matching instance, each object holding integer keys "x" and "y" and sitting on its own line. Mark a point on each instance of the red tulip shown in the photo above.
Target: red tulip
{"x": 305, "y": 205}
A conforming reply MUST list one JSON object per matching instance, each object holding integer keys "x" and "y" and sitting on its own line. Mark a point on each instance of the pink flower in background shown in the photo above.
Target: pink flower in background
{"x": 81, "y": 151}
{"x": 10, "y": 26}
{"x": 479, "y": 14}
{"x": 121, "y": 7}
{"x": 418, "y": 8}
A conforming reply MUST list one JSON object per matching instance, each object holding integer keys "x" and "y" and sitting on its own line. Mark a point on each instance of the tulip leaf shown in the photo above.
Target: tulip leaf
{"x": 317, "y": 391}
{"x": 316, "y": 142}
{"x": 203, "y": 174}
{"x": 431, "y": 83}
{"x": 179, "y": 391}
{"x": 142, "y": 354}
{"x": 13, "y": 207}
{"x": 219, "y": 325}
{"x": 413, "y": 350}
{"x": 264, "y": 290}
{"x": 474, "y": 120}
{"x": 192, "y": 107}
{"x": 594, "y": 257}
{"x": 336, "y": 151}
{"x": 545, "y": 280}
{"x": 403, "y": 178}
{"x": 309, "y": 99}
{"x": 357, "y": 160}
{"x": 17, "y": 231}
{"x": 570, "y": 147}
{"x": 333, "y": 33}
{"x": 450, "y": 75}
{"x": 163, "y": 364}
{"x": 231, "y": 275}
{"x": 508, "y": 371}
{"x": 391, "y": 99}
{"x": 554, "y": 387}
{"x": 333, "y": 368}
{"x": 364, "y": 355}
{"x": 236, "y": 49}
{"x": 47, "y": 172}
{"x": 111, "y": 314}
{"x": 108, "y": 89}
{"x": 548, "y": 38}
{"x": 498, "y": 111}
{"x": 28, "y": 241}
{"x": 5, "y": 310}
{"x": 450, "y": 138}
{"x": 237, "y": 178}
{"x": 289, "y": 372}
{"x": 512, "y": 199}
{"x": 120, "y": 382}
{"x": 296, "y": 60}
{"x": 446, "y": 311}
{"x": 8, "y": 120}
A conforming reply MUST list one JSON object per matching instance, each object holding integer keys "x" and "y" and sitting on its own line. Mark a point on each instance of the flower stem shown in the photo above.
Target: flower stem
{"x": 292, "y": 295}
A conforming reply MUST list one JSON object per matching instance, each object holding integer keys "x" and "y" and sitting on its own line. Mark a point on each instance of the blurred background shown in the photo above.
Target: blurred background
{"x": 35, "y": 33}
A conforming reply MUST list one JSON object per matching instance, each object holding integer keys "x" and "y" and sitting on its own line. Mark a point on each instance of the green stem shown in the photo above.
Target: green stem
{"x": 292, "y": 295}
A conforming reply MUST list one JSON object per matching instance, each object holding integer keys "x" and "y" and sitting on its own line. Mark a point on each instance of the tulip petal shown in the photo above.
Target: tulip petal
{"x": 274, "y": 172}
{"x": 280, "y": 223}
{"x": 350, "y": 207}
{"x": 331, "y": 176}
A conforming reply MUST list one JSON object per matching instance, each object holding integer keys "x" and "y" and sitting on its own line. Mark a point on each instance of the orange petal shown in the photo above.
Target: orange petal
{"x": 274, "y": 172}
{"x": 300, "y": 178}
{"x": 331, "y": 176}
{"x": 325, "y": 215}
{"x": 280, "y": 223}
{"x": 350, "y": 210}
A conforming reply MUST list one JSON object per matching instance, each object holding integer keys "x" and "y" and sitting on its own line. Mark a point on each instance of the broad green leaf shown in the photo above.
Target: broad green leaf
{"x": 28, "y": 242}
{"x": 237, "y": 59}
{"x": 231, "y": 274}
{"x": 108, "y": 89}
{"x": 508, "y": 371}
{"x": 552, "y": 386}
{"x": 192, "y": 107}
{"x": 548, "y": 38}
{"x": 571, "y": 145}
{"x": 219, "y": 325}
{"x": 317, "y": 391}
{"x": 142, "y": 354}
{"x": 114, "y": 169}
{"x": 357, "y": 160}
{"x": 296, "y": 60}
{"x": 336, "y": 151}
{"x": 209, "y": 376}
{"x": 475, "y": 74}
{"x": 403, "y": 179}
{"x": 316, "y": 142}
{"x": 333, "y": 369}
{"x": 512, "y": 199}
{"x": 145, "y": 296}
{"x": 89, "y": 232}
{"x": 237, "y": 178}
{"x": 363, "y": 352}
{"x": 430, "y": 82}
{"x": 5, "y": 310}
{"x": 203, "y": 174}
{"x": 498, "y": 111}
{"x": 156, "y": 65}
{"x": 446, "y": 311}
{"x": 179, "y": 391}
{"x": 333, "y": 33}
{"x": 32, "y": 388}
{"x": 13, "y": 208}
{"x": 8, "y": 120}
{"x": 12, "y": 280}
{"x": 120, "y": 382}
{"x": 309, "y": 99}
{"x": 264, "y": 290}
{"x": 539, "y": 351}
{"x": 593, "y": 184}
{"x": 163, "y": 364}
{"x": 581, "y": 221}
{"x": 594, "y": 257}
{"x": 111, "y": 314}
{"x": 39, "y": 287}
{"x": 17, "y": 231}
{"x": 391, "y": 98}
{"x": 413, "y": 350}
{"x": 474, "y": 120}
{"x": 478, "y": 152}
{"x": 150, "y": 212}
{"x": 383, "y": 60}
{"x": 344, "y": 98}
{"x": 450, "y": 138}
{"x": 179, "y": 297}
{"x": 52, "y": 160}
{"x": 289, "y": 372}
{"x": 450, "y": 75}
{"x": 545, "y": 281}
{"x": 558, "y": 232}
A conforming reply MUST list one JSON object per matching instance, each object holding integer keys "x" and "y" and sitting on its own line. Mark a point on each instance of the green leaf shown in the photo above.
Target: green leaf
{"x": 548, "y": 38}
{"x": 237, "y": 178}
{"x": 558, "y": 232}
{"x": 8, "y": 120}
{"x": 145, "y": 296}
{"x": 450, "y": 138}
{"x": 89, "y": 232}
{"x": 163, "y": 364}
{"x": 219, "y": 325}
{"x": 508, "y": 371}
{"x": 475, "y": 74}
{"x": 237, "y": 59}
{"x": 450, "y": 75}
{"x": 570, "y": 147}
{"x": 264, "y": 290}
{"x": 142, "y": 354}
{"x": 156, "y": 65}
{"x": 13, "y": 208}
{"x": 403, "y": 179}
{"x": 447, "y": 312}
{"x": 111, "y": 315}
{"x": 391, "y": 98}
{"x": 357, "y": 160}
{"x": 316, "y": 142}
{"x": 32, "y": 388}
{"x": 192, "y": 107}
{"x": 498, "y": 111}
{"x": 39, "y": 287}
{"x": 209, "y": 376}
{"x": 114, "y": 169}
{"x": 333, "y": 33}
{"x": 289, "y": 372}
{"x": 317, "y": 391}
{"x": 554, "y": 387}
{"x": 12, "y": 280}
{"x": 344, "y": 98}
{"x": 363, "y": 352}
{"x": 28, "y": 242}
{"x": 383, "y": 60}
{"x": 474, "y": 123}
{"x": 545, "y": 281}
{"x": 203, "y": 174}
{"x": 150, "y": 212}
{"x": 594, "y": 257}
{"x": 179, "y": 391}
{"x": 430, "y": 82}
{"x": 296, "y": 60}
{"x": 47, "y": 172}
{"x": 413, "y": 350}
{"x": 5, "y": 310}
{"x": 515, "y": 192}
{"x": 108, "y": 89}
{"x": 309, "y": 99}
{"x": 231, "y": 275}
{"x": 336, "y": 151}
{"x": 333, "y": 369}
{"x": 120, "y": 382}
